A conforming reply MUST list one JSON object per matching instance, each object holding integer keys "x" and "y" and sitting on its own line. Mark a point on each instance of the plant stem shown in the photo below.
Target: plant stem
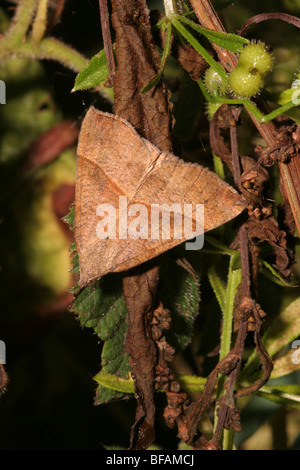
{"x": 48, "y": 48}
{"x": 172, "y": 8}
{"x": 21, "y": 21}
{"x": 199, "y": 48}
{"x": 218, "y": 166}
{"x": 234, "y": 279}
{"x": 40, "y": 21}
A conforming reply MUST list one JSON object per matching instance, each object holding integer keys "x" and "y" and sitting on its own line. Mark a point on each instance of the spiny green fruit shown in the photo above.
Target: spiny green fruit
{"x": 214, "y": 83}
{"x": 211, "y": 109}
{"x": 257, "y": 56}
{"x": 245, "y": 82}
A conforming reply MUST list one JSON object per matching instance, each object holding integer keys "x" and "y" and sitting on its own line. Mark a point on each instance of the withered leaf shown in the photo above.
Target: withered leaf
{"x": 114, "y": 161}
{"x": 267, "y": 230}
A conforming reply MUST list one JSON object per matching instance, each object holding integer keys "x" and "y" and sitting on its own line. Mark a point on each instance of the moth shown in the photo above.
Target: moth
{"x": 130, "y": 196}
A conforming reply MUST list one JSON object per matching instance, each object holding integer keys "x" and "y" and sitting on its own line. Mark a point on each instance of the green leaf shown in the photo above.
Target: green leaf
{"x": 285, "y": 364}
{"x": 191, "y": 383}
{"x": 179, "y": 293}
{"x": 188, "y": 383}
{"x": 93, "y": 74}
{"x": 115, "y": 362}
{"x": 102, "y": 306}
{"x": 273, "y": 275}
{"x": 69, "y": 219}
{"x": 228, "y": 41}
{"x": 279, "y": 335}
{"x": 223, "y": 249}
{"x": 288, "y": 395}
{"x": 284, "y": 330}
{"x": 218, "y": 287}
{"x": 115, "y": 383}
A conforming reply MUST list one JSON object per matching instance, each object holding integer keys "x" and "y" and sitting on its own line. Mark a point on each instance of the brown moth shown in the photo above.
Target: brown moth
{"x": 122, "y": 177}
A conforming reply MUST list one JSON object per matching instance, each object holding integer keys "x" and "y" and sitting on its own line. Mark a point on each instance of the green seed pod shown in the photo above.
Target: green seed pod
{"x": 257, "y": 56}
{"x": 211, "y": 109}
{"x": 214, "y": 83}
{"x": 245, "y": 82}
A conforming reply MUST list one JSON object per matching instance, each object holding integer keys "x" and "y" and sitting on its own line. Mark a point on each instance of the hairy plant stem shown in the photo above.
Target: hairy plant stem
{"x": 14, "y": 44}
{"x": 40, "y": 21}
{"x": 21, "y": 21}
{"x": 47, "y": 48}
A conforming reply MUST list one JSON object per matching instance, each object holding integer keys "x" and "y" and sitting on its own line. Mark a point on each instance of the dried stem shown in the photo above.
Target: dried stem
{"x": 104, "y": 17}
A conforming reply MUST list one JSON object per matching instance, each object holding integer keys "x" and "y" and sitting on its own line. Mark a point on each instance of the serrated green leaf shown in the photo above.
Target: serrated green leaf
{"x": 115, "y": 362}
{"x": 288, "y": 395}
{"x": 105, "y": 395}
{"x": 93, "y": 74}
{"x": 70, "y": 218}
{"x": 231, "y": 42}
{"x": 102, "y": 306}
{"x": 179, "y": 293}
{"x": 75, "y": 266}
